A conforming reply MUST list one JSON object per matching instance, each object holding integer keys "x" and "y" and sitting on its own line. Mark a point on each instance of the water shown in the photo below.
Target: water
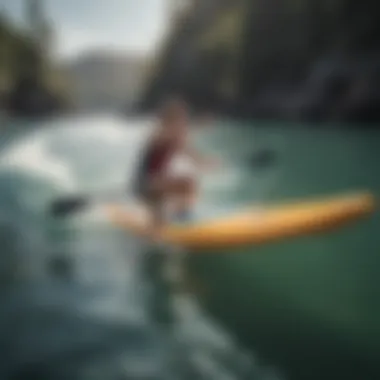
{"x": 310, "y": 305}
{"x": 82, "y": 300}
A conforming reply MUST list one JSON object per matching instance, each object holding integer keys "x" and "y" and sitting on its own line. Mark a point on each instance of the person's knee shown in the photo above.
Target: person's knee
{"x": 186, "y": 185}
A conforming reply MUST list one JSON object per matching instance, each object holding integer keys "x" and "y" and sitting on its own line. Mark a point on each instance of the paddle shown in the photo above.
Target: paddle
{"x": 65, "y": 206}
{"x": 263, "y": 158}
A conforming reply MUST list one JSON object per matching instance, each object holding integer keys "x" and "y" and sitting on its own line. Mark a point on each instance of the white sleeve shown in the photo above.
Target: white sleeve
{"x": 182, "y": 165}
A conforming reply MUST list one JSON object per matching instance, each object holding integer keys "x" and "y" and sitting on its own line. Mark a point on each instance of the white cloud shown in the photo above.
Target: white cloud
{"x": 122, "y": 24}
{"x": 117, "y": 24}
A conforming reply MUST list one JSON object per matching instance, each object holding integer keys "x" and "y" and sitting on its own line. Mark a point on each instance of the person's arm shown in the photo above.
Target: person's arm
{"x": 201, "y": 160}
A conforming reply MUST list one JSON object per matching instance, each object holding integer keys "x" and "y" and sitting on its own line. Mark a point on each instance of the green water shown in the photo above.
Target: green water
{"x": 309, "y": 307}
{"x": 312, "y": 305}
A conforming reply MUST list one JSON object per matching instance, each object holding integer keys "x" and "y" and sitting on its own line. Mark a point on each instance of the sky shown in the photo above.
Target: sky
{"x": 135, "y": 25}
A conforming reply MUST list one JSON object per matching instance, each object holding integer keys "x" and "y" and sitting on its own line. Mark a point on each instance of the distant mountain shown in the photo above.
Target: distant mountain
{"x": 106, "y": 79}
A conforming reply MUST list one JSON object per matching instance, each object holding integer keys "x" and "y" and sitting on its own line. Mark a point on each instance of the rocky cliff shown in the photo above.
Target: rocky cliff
{"x": 290, "y": 59}
{"x": 29, "y": 86}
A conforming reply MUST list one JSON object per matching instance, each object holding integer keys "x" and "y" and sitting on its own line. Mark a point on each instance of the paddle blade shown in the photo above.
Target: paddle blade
{"x": 263, "y": 159}
{"x": 66, "y": 206}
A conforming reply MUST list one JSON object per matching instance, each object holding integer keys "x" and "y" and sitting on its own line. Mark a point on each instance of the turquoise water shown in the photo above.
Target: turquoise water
{"x": 78, "y": 295}
{"x": 310, "y": 305}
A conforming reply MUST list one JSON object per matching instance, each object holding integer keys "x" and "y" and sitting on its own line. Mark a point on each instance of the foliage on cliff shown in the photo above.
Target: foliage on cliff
{"x": 13, "y": 48}
{"x": 29, "y": 84}
{"x": 314, "y": 59}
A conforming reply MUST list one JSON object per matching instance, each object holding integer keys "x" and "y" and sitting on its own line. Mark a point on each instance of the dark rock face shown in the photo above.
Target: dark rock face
{"x": 182, "y": 70}
{"x": 314, "y": 60}
{"x": 23, "y": 65}
{"x": 29, "y": 98}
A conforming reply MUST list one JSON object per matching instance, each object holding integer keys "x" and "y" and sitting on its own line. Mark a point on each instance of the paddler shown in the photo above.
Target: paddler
{"x": 169, "y": 164}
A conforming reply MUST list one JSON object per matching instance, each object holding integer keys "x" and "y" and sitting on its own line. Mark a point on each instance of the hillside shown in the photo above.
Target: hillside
{"x": 292, "y": 59}
{"x": 30, "y": 86}
{"x": 104, "y": 79}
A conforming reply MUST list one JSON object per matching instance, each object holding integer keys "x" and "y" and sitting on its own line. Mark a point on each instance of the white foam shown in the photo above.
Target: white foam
{"x": 36, "y": 152}
{"x": 32, "y": 155}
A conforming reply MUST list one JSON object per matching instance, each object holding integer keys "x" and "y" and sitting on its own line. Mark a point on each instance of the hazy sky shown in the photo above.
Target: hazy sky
{"x": 85, "y": 24}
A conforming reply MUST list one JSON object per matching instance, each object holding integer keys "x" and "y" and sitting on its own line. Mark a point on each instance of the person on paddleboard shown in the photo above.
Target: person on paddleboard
{"x": 167, "y": 172}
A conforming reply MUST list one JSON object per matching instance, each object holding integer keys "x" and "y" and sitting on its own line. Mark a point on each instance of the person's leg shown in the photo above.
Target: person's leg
{"x": 155, "y": 203}
{"x": 185, "y": 198}
{"x": 181, "y": 192}
{"x": 149, "y": 194}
